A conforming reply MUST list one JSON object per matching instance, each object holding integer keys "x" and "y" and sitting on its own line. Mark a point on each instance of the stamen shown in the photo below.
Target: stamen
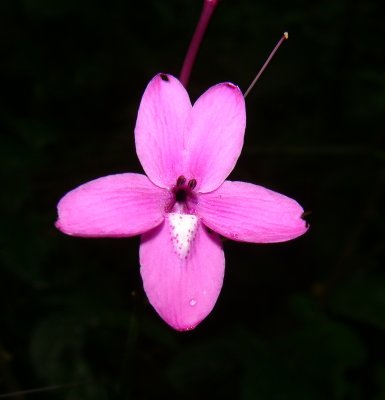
{"x": 285, "y": 36}
{"x": 181, "y": 181}
{"x": 192, "y": 183}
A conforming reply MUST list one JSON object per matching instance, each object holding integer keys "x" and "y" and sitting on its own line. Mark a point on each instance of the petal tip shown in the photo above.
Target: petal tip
{"x": 164, "y": 77}
{"x": 61, "y": 226}
{"x": 182, "y": 325}
{"x": 186, "y": 329}
{"x": 232, "y": 86}
{"x": 58, "y": 224}
{"x": 299, "y": 225}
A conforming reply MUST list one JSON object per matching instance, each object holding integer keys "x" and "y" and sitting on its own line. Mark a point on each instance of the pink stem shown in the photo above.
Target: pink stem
{"x": 204, "y": 19}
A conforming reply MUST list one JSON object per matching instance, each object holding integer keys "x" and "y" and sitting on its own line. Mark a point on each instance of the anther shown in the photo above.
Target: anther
{"x": 181, "y": 181}
{"x": 192, "y": 183}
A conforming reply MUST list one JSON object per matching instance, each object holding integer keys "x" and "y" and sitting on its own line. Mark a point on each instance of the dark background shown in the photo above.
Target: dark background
{"x": 298, "y": 320}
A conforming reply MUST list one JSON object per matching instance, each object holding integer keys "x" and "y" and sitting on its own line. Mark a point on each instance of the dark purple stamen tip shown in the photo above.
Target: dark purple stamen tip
{"x": 164, "y": 77}
{"x": 182, "y": 192}
{"x": 304, "y": 215}
{"x": 192, "y": 183}
{"x": 181, "y": 181}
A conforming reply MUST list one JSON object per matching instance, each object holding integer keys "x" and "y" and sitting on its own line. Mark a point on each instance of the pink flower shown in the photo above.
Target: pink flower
{"x": 184, "y": 202}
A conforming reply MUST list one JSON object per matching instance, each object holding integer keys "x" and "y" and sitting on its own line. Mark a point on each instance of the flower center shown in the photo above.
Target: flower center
{"x": 180, "y": 195}
{"x": 183, "y": 193}
{"x": 180, "y": 214}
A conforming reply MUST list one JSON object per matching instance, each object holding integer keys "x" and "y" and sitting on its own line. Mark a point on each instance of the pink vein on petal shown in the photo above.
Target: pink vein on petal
{"x": 214, "y": 135}
{"x": 159, "y": 129}
{"x": 246, "y": 212}
{"x": 113, "y": 206}
{"x": 182, "y": 290}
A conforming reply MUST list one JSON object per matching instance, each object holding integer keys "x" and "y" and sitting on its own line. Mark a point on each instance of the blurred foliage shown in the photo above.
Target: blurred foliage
{"x": 298, "y": 320}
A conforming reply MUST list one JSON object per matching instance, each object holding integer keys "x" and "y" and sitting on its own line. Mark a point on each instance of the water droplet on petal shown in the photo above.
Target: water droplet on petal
{"x": 192, "y": 302}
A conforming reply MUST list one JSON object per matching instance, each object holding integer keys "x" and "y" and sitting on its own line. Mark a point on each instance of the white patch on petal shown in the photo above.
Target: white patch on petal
{"x": 183, "y": 228}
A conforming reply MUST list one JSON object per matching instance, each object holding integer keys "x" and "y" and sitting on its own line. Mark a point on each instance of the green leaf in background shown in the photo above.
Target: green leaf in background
{"x": 361, "y": 298}
{"x": 323, "y": 351}
{"x": 57, "y": 350}
{"x": 74, "y": 311}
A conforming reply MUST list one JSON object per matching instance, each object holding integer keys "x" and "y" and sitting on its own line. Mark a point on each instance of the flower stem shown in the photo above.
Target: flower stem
{"x": 204, "y": 19}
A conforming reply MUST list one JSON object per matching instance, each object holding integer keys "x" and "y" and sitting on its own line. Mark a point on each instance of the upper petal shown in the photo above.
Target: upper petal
{"x": 113, "y": 206}
{"x": 159, "y": 129}
{"x": 182, "y": 288}
{"x": 214, "y": 135}
{"x": 246, "y": 212}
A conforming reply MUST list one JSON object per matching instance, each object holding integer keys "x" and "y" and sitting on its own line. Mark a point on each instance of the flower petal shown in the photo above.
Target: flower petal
{"x": 113, "y": 206}
{"x": 246, "y": 212}
{"x": 183, "y": 290}
{"x": 214, "y": 135}
{"x": 159, "y": 129}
